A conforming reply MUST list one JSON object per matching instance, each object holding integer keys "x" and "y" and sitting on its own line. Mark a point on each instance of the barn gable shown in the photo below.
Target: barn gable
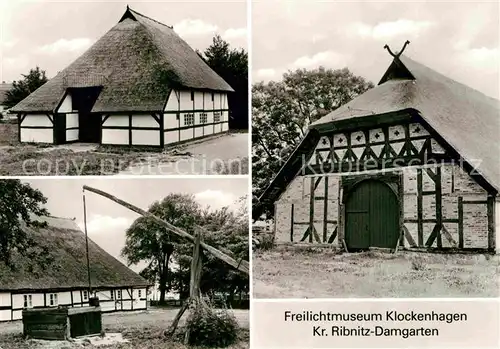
{"x": 385, "y": 150}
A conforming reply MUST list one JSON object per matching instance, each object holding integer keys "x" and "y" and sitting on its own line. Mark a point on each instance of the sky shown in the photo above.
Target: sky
{"x": 460, "y": 40}
{"x": 53, "y": 34}
{"x": 107, "y": 221}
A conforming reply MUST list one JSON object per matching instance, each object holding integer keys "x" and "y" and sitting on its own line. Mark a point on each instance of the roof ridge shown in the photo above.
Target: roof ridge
{"x": 442, "y": 75}
{"x": 151, "y": 19}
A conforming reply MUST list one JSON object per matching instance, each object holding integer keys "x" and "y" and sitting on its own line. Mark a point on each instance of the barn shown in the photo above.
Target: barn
{"x": 60, "y": 278}
{"x": 139, "y": 84}
{"x": 412, "y": 163}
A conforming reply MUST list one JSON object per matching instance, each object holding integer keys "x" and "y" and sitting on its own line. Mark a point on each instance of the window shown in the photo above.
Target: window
{"x": 85, "y": 295}
{"x": 119, "y": 294}
{"x": 53, "y": 299}
{"x": 140, "y": 293}
{"x": 188, "y": 119}
{"x": 192, "y": 95}
{"x": 217, "y": 116}
{"x": 212, "y": 96}
{"x": 112, "y": 295}
{"x": 203, "y": 118}
{"x": 28, "y": 301}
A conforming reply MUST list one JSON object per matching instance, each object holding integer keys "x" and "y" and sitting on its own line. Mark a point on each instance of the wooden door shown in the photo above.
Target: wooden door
{"x": 372, "y": 216}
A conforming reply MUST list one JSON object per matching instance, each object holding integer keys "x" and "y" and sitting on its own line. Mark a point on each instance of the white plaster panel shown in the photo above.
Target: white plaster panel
{"x": 144, "y": 120}
{"x": 173, "y": 101}
{"x": 114, "y": 136}
{"x": 186, "y": 134}
{"x": 198, "y": 100}
{"x": 171, "y": 137}
{"x": 170, "y": 121}
{"x": 66, "y": 106}
{"x": 186, "y": 102}
{"x": 117, "y": 120}
{"x": 208, "y": 130}
{"x": 71, "y": 120}
{"x": 198, "y": 132}
{"x": 71, "y": 135}
{"x": 36, "y": 120}
{"x": 37, "y": 135}
{"x": 145, "y": 137}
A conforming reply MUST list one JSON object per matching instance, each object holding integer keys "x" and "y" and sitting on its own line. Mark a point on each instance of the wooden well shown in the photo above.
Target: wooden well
{"x": 62, "y": 323}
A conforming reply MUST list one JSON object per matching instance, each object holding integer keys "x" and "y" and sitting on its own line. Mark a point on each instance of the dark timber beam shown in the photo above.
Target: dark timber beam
{"x": 241, "y": 265}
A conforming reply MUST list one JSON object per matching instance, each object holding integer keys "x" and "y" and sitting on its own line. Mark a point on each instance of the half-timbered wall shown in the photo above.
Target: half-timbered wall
{"x": 122, "y": 299}
{"x": 36, "y": 128}
{"x": 442, "y": 205}
{"x": 194, "y": 114}
{"x": 71, "y": 116}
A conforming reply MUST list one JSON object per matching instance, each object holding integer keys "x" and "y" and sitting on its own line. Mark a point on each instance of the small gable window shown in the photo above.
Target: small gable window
{"x": 28, "y": 301}
{"x": 85, "y": 295}
{"x": 140, "y": 293}
{"x": 112, "y": 295}
{"x": 192, "y": 95}
{"x": 53, "y": 299}
{"x": 119, "y": 294}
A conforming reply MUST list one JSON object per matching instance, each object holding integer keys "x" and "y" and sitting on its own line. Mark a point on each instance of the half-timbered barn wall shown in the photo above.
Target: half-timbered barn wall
{"x": 194, "y": 114}
{"x": 440, "y": 205}
{"x": 117, "y": 299}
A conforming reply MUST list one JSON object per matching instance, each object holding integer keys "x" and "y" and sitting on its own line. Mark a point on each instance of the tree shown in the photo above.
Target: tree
{"x": 19, "y": 202}
{"x": 23, "y": 88}
{"x": 282, "y": 111}
{"x": 232, "y": 66}
{"x": 148, "y": 241}
{"x": 227, "y": 231}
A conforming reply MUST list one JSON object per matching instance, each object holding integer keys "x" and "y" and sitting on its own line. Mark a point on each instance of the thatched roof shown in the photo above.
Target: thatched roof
{"x": 137, "y": 63}
{"x": 65, "y": 265}
{"x": 467, "y": 119}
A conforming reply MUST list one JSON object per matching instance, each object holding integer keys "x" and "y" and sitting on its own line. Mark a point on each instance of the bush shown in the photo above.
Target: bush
{"x": 211, "y": 328}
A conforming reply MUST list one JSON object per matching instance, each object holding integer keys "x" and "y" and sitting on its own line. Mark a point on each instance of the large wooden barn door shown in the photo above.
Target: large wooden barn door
{"x": 372, "y": 216}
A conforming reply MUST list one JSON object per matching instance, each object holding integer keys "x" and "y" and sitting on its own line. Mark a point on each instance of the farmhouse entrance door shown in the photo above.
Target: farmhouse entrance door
{"x": 371, "y": 216}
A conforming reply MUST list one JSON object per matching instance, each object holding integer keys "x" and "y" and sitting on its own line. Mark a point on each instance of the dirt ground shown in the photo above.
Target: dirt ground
{"x": 225, "y": 154}
{"x": 142, "y": 329}
{"x": 324, "y": 273}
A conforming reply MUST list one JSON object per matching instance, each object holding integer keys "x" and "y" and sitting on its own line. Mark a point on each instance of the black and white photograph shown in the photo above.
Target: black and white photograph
{"x": 375, "y": 153}
{"x": 124, "y": 263}
{"x": 140, "y": 88}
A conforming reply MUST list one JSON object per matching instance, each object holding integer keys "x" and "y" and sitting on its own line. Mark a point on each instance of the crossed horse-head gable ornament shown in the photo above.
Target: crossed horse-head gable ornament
{"x": 397, "y": 54}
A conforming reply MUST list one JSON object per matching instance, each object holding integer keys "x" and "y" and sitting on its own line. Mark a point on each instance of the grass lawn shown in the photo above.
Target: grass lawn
{"x": 143, "y": 330}
{"x": 287, "y": 272}
{"x": 26, "y": 160}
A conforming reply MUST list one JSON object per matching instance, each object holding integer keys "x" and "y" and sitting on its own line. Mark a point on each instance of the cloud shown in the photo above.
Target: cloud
{"x": 234, "y": 33}
{"x": 64, "y": 45}
{"x": 215, "y": 199}
{"x": 387, "y": 30}
{"x": 266, "y": 74}
{"x": 99, "y": 223}
{"x": 482, "y": 58}
{"x": 194, "y": 27}
{"x": 326, "y": 58}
